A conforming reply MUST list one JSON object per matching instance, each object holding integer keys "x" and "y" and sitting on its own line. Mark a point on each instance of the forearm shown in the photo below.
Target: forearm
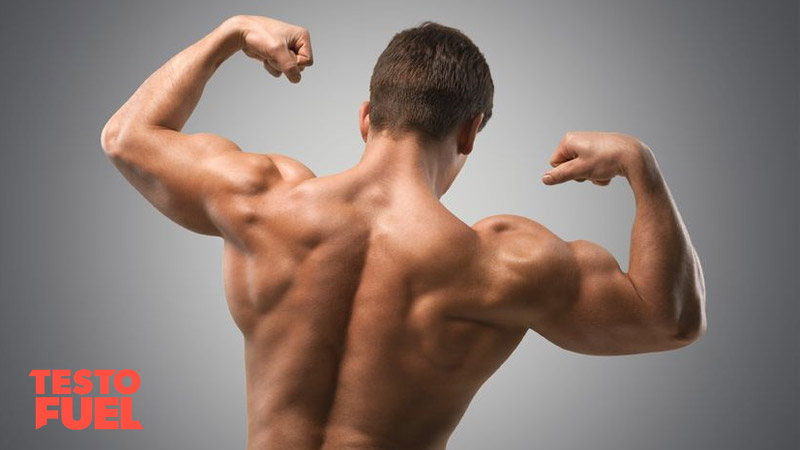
{"x": 167, "y": 98}
{"x": 664, "y": 267}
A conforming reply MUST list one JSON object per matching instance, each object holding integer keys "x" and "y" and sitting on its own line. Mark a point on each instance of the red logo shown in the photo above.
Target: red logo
{"x": 107, "y": 413}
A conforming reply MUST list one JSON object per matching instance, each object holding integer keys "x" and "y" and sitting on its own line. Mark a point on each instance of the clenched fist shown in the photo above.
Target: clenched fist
{"x": 281, "y": 47}
{"x": 595, "y": 156}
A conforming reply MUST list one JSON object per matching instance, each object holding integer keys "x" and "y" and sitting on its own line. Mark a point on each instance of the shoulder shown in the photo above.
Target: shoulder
{"x": 528, "y": 263}
{"x": 504, "y": 222}
{"x": 290, "y": 169}
{"x": 253, "y": 173}
{"x": 235, "y": 197}
{"x": 520, "y": 233}
{"x": 518, "y": 241}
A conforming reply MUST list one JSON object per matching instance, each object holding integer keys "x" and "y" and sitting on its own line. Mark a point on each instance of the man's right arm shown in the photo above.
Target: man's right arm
{"x": 577, "y": 296}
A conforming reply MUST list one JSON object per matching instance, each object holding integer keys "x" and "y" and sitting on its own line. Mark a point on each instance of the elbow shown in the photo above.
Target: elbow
{"x": 691, "y": 323}
{"x": 109, "y": 137}
{"x": 688, "y": 334}
{"x": 115, "y": 137}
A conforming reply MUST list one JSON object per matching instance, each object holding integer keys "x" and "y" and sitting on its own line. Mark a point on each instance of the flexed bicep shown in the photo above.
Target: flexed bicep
{"x": 659, "y": 303}
{"x": 185, "y": 176}
{"x": 575, "y": 294}
{"x": 191, "y": 177}
{"x": 600, "y": 311}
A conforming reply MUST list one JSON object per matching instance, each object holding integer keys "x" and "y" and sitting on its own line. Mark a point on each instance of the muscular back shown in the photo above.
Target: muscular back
{"x": 370, "y": 314}
{"x": 364, "y": 316}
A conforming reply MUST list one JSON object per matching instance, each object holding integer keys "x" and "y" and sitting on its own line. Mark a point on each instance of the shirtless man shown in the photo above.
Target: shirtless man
{"x": 371, "y": 315}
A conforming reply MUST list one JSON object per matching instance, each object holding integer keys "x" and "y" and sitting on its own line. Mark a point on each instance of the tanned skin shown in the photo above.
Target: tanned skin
{"x": 371, "y": 315}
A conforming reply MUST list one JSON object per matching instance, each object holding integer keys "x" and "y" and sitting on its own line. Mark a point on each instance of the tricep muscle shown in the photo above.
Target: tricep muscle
{"x": 182, "y": 175}
{"x": 603, "y": 314}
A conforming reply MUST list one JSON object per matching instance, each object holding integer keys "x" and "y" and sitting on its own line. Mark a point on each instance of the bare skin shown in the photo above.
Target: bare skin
{"x": 371, "y": 315}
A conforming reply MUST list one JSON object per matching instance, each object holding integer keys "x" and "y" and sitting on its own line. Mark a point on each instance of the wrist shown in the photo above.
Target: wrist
{"x": 640, "y": 167}
{"x": 232, "y": 31}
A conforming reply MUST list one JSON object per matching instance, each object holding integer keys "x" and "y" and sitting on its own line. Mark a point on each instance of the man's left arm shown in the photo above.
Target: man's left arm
{"x": 192, "y": 178}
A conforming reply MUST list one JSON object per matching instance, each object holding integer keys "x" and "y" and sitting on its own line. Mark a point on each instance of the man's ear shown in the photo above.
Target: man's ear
{"x": 363, "y": 119}
{"x": 466, "y": 136}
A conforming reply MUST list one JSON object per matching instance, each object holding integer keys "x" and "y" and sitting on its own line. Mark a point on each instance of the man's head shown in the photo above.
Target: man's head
{"x": 430, "y": 81}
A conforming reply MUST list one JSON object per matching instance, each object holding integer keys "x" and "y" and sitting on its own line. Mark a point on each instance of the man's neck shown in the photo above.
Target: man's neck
{"x": 407, "y": 161}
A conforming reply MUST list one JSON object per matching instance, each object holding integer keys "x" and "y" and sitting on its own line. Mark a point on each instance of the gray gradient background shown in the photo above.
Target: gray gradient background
{"x": 93, "y": 277}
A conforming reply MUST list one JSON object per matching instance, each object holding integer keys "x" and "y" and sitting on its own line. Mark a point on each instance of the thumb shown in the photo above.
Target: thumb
{"x": 569, "y": 170}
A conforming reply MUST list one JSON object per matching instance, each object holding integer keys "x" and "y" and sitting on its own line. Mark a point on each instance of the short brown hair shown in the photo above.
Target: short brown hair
{"x": 430, "y": 79}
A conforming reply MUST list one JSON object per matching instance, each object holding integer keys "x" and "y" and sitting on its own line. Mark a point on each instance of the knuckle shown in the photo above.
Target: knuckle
{"x": 273, "y": 46}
